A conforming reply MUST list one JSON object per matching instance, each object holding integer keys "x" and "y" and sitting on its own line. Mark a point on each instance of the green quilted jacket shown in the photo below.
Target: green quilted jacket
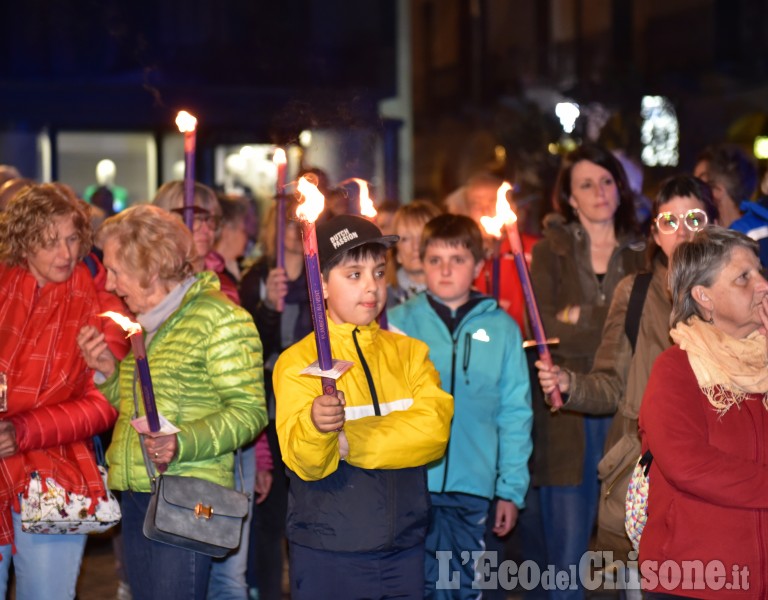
{"x": 206, "y": 365}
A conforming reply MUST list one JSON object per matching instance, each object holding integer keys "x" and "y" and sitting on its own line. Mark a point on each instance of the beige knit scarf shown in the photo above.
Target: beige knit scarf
{"x": 726, "y": 368}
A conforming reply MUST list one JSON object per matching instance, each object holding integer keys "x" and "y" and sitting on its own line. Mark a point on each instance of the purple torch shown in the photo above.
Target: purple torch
{"x": 187, "y": 124}
{"x": 505, "y": 215}
{"x": 136, "y": 336}
{"x": 308, "y": 212}
{"x": 281, "y": 163}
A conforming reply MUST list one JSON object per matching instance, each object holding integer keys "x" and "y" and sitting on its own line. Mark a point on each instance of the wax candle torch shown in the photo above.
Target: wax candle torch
{"x": 505, "y": 215}
{"x": 307, "y": 212}
{"x": 136, "y": 336}
{"x": 281, "y": 162}
{"x": 367, "y": 209}
{"x": 187, "y": 124}
{"x": 492, "y": 226}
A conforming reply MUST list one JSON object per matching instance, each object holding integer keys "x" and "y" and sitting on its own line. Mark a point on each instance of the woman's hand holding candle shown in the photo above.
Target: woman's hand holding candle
{"x": 161, "y": 448}
{"x": 551, "y": 376}
{"x": 95, "y": 351}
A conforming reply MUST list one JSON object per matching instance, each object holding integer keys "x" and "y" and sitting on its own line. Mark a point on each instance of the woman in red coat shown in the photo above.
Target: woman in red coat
{"x": 53, "y": 409}
{"x": 704, "y": 418}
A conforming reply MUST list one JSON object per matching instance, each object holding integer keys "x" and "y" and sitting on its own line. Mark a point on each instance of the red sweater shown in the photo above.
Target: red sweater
{"x": 708, "y": 498}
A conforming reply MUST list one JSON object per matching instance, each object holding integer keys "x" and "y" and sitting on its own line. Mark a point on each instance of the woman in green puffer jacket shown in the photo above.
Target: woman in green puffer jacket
{"x": 206, "y": 361}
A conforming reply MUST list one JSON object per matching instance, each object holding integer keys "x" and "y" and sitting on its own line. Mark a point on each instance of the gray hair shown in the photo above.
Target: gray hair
{"x": 699, "y": 262}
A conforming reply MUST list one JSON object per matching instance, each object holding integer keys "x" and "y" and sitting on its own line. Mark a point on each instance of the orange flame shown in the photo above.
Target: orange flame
{"x": 279, "y": 157}
{"x": 129, "y": 326}
{"x": 504, "y": 214}
{"x": 367, "y": 209}
{"x": 313, "y": 201}
{"x": 185, "y": 121}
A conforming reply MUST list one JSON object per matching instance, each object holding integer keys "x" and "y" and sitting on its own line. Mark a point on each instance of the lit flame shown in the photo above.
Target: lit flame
{"x": 185, "y": 122}
{"x": 366, "y": 204}
{"x": 504, "y": 213}
{"x": 128, "y": 326}
{"x": 279, "y": 157}
{"x": 313, "y": 201}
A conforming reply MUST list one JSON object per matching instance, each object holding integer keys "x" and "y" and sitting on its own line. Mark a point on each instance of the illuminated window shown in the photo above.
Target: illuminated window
{"x": 660, "y": 132}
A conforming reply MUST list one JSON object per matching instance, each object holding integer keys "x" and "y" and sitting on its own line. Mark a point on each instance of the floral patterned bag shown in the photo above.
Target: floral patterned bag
{"x": 636, "y": 507}
{"x": 54, "y": 511}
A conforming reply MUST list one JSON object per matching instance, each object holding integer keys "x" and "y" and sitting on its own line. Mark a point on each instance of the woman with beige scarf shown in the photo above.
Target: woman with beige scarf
{"x": 704, "y": 418}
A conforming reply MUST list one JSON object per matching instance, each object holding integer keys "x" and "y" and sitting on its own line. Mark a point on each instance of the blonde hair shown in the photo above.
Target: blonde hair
{"x": 152, "y": 242}
{"x": 419, "y": 213}
{"x": 26, "y": 223}
{"x": 170, "y": 195}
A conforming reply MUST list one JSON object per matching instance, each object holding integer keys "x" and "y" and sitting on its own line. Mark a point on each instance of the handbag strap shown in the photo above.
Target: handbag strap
{"x": 635, "y": 307}
{"x": 150, "y": 466}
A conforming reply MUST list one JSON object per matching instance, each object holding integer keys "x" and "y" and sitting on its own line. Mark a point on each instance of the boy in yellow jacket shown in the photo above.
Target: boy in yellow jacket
{"x": 358, "y": 502}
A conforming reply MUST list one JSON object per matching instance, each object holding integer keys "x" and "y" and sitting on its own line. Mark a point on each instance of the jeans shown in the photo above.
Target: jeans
{"x": 228, "y": 573}
{"x": 46, "y": 566}
{"x": 156, "y": 570}
{"x": 569, "y": 511}
{"x": 457, "y": 525}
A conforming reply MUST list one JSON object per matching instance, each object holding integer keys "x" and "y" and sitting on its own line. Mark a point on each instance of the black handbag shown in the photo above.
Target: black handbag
{"x": 193, "y": 513}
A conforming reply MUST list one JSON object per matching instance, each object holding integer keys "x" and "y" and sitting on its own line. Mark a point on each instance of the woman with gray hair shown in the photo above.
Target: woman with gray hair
{"x": 206, "y": 361}
{"x": 704, "y": 419}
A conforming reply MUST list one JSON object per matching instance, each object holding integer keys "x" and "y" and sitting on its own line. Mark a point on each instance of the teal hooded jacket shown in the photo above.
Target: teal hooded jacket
{"x": 483, "y": 366}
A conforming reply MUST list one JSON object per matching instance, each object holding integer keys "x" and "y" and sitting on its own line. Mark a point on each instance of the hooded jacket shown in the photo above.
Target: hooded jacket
{"x": 562, "y": 275}
{"x": 397, "y": 421}
{"x": 207, "y": 376}
{"x": 482, "y": 365}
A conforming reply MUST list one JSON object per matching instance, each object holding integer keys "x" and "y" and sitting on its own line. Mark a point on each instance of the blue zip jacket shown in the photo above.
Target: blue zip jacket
{"x": 754, "y": 223}
{"x": 483, "y": 366}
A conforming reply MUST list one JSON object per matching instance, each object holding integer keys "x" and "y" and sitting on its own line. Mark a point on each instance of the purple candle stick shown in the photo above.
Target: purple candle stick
{"x": 280, "y": 161}
{"x": 136, "y": 335}
{"x": 530, "y": 302}
{"x": 188, "y": 125}
{"x": 495, "y": 275}
{"x": 308, "y": 212}
{"x": 145, "y": 379}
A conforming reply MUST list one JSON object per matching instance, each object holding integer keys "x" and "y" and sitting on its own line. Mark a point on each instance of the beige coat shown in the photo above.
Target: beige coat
{"x": 616, "y": 383}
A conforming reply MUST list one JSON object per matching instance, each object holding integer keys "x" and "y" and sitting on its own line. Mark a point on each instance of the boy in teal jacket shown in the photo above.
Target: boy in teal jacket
{"x": 477, "y": 348}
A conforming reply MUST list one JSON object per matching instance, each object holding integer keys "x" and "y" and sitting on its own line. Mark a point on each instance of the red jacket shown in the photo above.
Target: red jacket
{"x": 511, "y": 297}
{"x": 708, "y": 498}
{"x": 52, "y": 402}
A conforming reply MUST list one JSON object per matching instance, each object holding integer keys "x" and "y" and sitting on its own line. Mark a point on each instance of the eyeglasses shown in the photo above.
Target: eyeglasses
{"x": 694, "y": 220}
{"x": 200, "y": 216}
{"x": 213, "y": 221}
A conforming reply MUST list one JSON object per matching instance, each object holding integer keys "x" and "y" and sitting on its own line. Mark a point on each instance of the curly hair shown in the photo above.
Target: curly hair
{"x": 27, "y": 222}
{"x": 152, "y": 242}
